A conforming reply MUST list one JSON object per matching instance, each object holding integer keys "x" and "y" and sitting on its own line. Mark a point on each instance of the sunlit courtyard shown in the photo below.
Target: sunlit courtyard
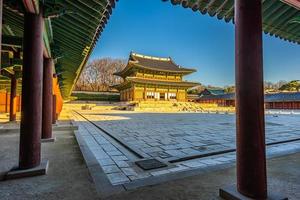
{"x": 181, "y": 141}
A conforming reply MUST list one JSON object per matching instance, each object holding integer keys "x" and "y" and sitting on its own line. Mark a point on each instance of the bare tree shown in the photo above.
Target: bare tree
{"x": 98, "y": 75}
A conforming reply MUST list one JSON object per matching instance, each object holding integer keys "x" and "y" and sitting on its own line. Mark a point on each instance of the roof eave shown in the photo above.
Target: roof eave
{"x": 185, "y": 71}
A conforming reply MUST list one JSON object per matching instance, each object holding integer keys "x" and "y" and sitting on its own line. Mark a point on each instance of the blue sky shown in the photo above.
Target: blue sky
{"x": 157, "y": 28}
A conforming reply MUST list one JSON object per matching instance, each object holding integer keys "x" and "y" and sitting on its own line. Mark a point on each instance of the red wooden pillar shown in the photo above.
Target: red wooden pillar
{"x": 54, "y": 109}
{"x": 293, "y": 105}
{"x": 47, "y": 98}
{"x": 1, "y": 12}
{"x": 13, "y": 94}
{"x": 32, "y": 81}
{"x": 6, "y": 101}
{"x": 251, "y": 158}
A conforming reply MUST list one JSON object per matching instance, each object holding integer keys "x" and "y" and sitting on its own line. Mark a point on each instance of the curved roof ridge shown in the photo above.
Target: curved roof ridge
{"x": 179, "y": 66}
{"x": 154, "y": 64}
{"x": 180, "y": 69}
{"x": 150, "y": 57}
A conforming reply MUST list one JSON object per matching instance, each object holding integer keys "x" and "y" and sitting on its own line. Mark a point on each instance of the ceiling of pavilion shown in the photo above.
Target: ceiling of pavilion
{"x": 279, "y": 19}
{"x": 73, "y": 27}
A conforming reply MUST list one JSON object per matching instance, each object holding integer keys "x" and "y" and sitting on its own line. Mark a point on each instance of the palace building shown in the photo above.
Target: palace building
{"x": 153, "y": 78}
{"x": 280, "y": 100}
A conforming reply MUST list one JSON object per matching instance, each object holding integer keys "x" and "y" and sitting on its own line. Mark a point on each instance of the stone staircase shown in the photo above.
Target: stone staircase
{"x": 149, "y": 106}
{"x": 164, "y": 106}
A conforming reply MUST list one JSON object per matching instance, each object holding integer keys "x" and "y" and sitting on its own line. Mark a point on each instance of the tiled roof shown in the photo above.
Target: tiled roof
{"x": 212, "y": 91}
{"x": 285, "y": 96}
{"x": 228, "y": 96}
{"x": 157, "y": 63}
{"x": 151, "y": 63}
{"x": 276, "y": 97}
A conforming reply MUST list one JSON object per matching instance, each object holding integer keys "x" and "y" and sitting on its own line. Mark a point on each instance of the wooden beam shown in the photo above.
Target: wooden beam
{"x": 12, "y": 41}
{"x": 15, "y": 62}
{"x": 293, "y": 3}
{"x": 6, "y": 73}
{"x": 32, "y": 6}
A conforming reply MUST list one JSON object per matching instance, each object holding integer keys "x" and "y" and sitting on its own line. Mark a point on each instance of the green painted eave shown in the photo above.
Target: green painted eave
{"x": 75, "y": 35}
{"x": 48, "y": 36}
{"x": 279, "y": 19}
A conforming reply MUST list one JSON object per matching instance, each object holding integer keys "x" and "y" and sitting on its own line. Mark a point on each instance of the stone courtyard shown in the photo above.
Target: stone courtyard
{"x": 196, "y": 148}
{"x": 187, "y": 143}
{"x": 173, "y": 136}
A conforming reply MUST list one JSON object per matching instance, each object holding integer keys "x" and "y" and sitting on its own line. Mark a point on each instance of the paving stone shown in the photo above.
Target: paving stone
{"x": 175, "y": 153}
{"x": 223, "y": 159}
{"x": 114, "y": 153}
{"x": 161, "y": 172}
{"x": 190, "y": 151}
{"x": 184, "y": 145}
{"x": 117, "y": 178}
{"x": 154, "y": 144}
{"x": 210, "y": 161}
{"x": 194, "y": 164}
{"x": 99, "y": 155}
{"x": 160, "y": 154}
{"x": 111, "y": 169}
{"x": 119, "y": 158}
{"x": 129, "y": 171}
{"x": 109, "y": 147}
{"x": 179, "y": 168}
{"x": 169, "y": 147}
{"x": 102, "y": 141}
{"x": 105, "y": 162}
{"x": 151, "y": 149}
{"x": 121, "y": 163}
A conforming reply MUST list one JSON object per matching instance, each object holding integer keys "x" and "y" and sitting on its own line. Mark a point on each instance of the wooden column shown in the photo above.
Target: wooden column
{"x": 13, "y": 94}
{"x": 1, "y": 13}
{"x": 47, "y": 98}
{"x": 54, "y": 109}
{"x": 251, "y": 159}
{"x": 32, "y": 82}
{"x": 6, "y": 101}
{"x": 133, "y": 93}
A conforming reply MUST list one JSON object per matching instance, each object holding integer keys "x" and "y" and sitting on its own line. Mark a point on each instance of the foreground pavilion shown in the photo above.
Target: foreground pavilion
{"x": 45, "y": 40}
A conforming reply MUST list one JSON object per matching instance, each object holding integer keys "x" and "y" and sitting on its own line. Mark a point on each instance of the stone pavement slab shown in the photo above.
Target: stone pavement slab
{"x": 177, "y": 135}
{"x": 174, "y": 139}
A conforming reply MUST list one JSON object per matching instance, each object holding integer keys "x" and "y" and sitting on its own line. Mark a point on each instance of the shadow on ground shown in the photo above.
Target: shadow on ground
{"x": 283, "y": 178}
{"x": 67, "y": 178}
